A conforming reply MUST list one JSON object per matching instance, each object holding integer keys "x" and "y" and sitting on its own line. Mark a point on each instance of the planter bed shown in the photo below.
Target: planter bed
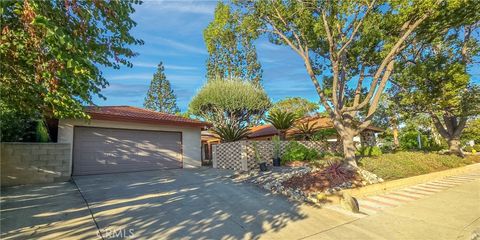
{"x": 295, "y": 182}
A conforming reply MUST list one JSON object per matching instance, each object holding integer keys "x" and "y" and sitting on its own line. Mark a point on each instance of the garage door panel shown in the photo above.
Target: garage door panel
{"x": 101, "y": 150}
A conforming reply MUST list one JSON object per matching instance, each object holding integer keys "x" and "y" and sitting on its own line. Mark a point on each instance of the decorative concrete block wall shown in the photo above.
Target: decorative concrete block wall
{"x": 32, "y": 163}
{"x": 240, "y": 155}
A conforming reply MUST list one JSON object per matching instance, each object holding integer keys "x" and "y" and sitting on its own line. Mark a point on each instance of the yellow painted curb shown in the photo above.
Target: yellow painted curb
{"x": 404, "y": 182}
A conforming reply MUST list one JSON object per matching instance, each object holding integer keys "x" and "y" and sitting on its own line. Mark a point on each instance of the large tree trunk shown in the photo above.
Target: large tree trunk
{"x": 349, "y": 149}
{"x": 454, "y": 147}
{"x": 393, "y": 122}
{"x": 451, "y": 131}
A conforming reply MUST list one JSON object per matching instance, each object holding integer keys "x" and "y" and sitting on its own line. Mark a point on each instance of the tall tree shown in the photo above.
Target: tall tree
{"x": 233, "y": 103}
{"x": 301, "y": 107}
{"x": 160, "y": 96}
{"x": 51, "y": 52}
{"x": 433, "y": 79}
{"x": 350, "y": 44}
{"x": 230, "y": 48}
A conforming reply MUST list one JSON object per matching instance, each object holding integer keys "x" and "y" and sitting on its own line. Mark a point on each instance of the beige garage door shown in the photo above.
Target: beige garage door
{"x": 106, "y": 150}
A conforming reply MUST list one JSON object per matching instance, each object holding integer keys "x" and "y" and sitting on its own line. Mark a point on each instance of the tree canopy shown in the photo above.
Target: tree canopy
{"x": 160, "y": 96}
{"x": 230, "y": 102}
{"x": 297, "y": 105}
{"x": 229, "y": 44}
{"x": 433, "y": 80}
{"x": 348, "y": 46}
{"x": 51, "y": 52}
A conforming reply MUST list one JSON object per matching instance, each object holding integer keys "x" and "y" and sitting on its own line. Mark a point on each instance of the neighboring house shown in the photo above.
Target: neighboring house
{"x": 126, "y": 139}
{"x": 266, "y": 132}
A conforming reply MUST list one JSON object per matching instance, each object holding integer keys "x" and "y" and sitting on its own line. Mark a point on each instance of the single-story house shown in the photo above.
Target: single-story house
{"x": 126, "y": 139}
{"x": 267, "y": 131}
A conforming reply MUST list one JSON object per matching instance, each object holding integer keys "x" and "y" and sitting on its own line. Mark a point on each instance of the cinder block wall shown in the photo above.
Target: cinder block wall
{"x": 32, "y": 163}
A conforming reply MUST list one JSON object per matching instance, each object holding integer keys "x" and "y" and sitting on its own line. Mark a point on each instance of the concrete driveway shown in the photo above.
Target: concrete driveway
{"x": 171, "y": 204}
{"x": 195, "y": 204}
{"x": 207, "y": 204}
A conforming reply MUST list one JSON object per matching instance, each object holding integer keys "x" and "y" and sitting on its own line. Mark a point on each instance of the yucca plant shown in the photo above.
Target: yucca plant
{"x": 230, "y": 132}
{"x": 307, "y": 130}
{"x": 282, "y": 121}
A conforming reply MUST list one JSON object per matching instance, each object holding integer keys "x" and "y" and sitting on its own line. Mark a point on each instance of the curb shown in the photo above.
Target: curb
{"x": 400, "y": 183}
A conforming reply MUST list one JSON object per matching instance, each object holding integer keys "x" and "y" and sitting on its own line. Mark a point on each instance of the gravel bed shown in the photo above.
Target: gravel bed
{"x": 272, "y": 181}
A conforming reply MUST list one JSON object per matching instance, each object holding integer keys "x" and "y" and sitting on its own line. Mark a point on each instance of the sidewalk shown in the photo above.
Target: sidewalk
{"x": 453, "y": 213}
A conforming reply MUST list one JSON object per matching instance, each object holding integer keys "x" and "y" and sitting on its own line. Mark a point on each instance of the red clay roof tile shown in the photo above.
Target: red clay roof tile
{"x": 135, "y": 114}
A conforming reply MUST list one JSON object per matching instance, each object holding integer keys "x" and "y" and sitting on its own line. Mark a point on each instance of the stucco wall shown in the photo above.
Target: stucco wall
{"x": 190, "y": 136}
{"x": 31, "y": 163}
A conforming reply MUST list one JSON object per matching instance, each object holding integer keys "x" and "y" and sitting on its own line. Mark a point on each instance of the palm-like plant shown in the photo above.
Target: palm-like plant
{"x": 230, "y": 132}
{"x": 307, "y": 130}
{"x": 282, "y": 121}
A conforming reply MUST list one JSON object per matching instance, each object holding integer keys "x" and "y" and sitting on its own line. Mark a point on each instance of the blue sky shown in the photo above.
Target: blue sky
{"x": 173, "y": 34}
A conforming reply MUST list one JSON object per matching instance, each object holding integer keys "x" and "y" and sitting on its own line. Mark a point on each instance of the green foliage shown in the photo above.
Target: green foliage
{"x": 369, "y": 151}
{"x": 229, "y": 44}
{"x": 52, "y": 52}
{"x": 323, "y": 134}
{"x": 409, "y": 141}
{"x": 256, "y": 153}
{"x": 160, "y": 96}
{"x": 282, "y": 121}
{"x": 475, "y": 147}
{"x": 346, "y": 44}
{"x": 307, "y": 130}
{"x": 301, "y": 107}
{"x": 41, "y": 132}
{"x": 472, "y": 132}
{"x": 233, "y": 102}
{"x": 14, "y": 124}
{"x": 276, "y": 146}
{"x": 295, "y": 151}
{"x": 230, "y": 133}
{"x": 406, "y": 164}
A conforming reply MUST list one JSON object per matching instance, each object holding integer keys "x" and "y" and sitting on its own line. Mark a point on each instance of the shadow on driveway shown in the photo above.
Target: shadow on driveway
{"x": 170, "y": 204}
{"x": 48, "y": 211}
{"x": 198, "y": 204}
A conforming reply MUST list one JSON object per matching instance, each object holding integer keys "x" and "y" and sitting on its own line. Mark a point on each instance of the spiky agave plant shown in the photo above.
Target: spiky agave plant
{"x": 282, "y": 121}
{"x": 230, "y": 132}
{"x": 337, "y": 173}
{"x": 307, "y": 130}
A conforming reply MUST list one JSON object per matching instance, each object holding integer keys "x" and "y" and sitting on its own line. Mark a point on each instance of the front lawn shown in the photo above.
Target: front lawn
{"x": 407, "y": 164}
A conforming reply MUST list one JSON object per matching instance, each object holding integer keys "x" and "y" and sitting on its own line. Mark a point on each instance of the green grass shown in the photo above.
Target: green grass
{"x": 406, "y": 164}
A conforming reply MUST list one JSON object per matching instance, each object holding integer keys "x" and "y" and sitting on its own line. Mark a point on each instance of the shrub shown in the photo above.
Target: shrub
{"x": 295, "y": 151}
{"x": 407, "y": 164}
{"x": 370, "y": 151}
{"x": 337, "y": 173}
{"x": 468, "y": 149}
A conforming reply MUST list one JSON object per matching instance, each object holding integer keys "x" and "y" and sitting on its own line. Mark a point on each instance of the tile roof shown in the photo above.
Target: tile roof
{"x": 320, "y": 123}
{"x": 262, "y": 130}
{"x": 135, "y": 114}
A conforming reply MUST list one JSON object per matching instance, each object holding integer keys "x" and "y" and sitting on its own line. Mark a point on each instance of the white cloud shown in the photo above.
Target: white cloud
{"x": 179, "y": 45}
{"x": 167, "y": 66}
{"x": 196, "y": 7}
{"x": 138, "y": 76}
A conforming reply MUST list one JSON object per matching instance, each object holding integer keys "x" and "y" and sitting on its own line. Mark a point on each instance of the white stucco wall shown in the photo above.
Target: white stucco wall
{"x": 190, "y": 136}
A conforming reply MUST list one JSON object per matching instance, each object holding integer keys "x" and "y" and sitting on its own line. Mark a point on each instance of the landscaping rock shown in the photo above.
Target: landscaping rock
{"x": 349, "y": 203}
{"x": 275, "y": 181}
